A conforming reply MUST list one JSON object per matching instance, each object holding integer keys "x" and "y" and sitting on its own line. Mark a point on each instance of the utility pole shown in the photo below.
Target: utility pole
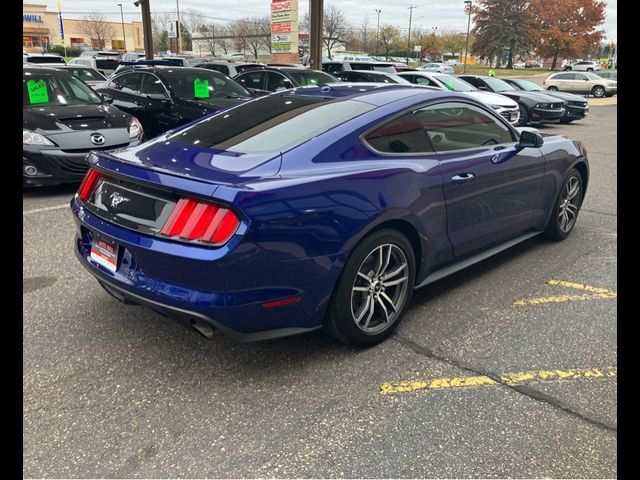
{"x": 124, "y": 37}
{"x": 378, "y": 31}
{"x": 146, "y": 27}
{"x": 467, "y": 6}
{"x": 179, "y": 42}
{"x": 409, "y": 36}
{"x": 315, "y": 34}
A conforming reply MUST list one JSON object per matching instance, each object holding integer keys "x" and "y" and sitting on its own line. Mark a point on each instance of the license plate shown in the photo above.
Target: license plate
{"x": 104, "y": 252}
{"x": 514, "y": 116}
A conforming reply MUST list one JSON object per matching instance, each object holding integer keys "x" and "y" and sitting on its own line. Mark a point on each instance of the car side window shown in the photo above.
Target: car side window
{"x": 458, "y": 126}
{"x": 565, "y": 76}
{"x": 361, "y": 66}
{"x": 579, "y": 76}
{"x": 251, "y": 80}
{"x": 425, "y": 81}
{"x": 150, "y": 84}
{"x": 476, "y": 82}
{"x": 277, "y": 81}
{"x": 403, "y": 134}
{"x": 332, "y": 68}
{"x": 127, "y": 83}
{"x": 356, "y": 77}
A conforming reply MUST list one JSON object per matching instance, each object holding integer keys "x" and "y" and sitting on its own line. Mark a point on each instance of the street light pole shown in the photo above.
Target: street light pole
{"x": 179, "y": 42}
{"x": 466, "y": 48}
{"x": 378, "y": 31}
{"x": 146, "y": 28}
{"x": 409, "y": 35}
{"x": 124, "y": 37}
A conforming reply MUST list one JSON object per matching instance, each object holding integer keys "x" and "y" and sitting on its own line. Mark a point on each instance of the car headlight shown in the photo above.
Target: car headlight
{"x": 32, "y": 138}
{"x": 542, "y": 105}
{"x": 135, "y": 128}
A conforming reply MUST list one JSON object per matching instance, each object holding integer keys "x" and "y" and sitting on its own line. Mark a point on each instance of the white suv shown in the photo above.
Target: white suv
{"x": 584, "y": 66}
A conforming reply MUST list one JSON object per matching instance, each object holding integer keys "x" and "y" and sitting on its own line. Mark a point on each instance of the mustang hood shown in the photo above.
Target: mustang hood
{"x": 61, "y": 118}
{"x": 199, "y": 163}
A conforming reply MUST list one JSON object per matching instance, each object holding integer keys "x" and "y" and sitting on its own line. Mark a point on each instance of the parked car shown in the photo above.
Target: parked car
{"x": 230, "y": 69}
{"x": 241, "y": 222}
{"x": 333, "y": 67}
{"x": 502, "y": 105}
{"x": 436, "y": 67}
{"x": 371, "y": 76}
{"x": 535, "y": 108}
{"x": 290, "y": 65}
{"x": 275, "y": 79}
{"x": 403, "y": 68}
{"x": 88, "y": 75}
{"x": 163, "y": 98}
{"x": 576, "y": 107}
{"x": 105, "y": 65}
{"x": 587, "y": 83}
{"x": 49, "y": 58}
{"x": 62, "y": 120}
{"x": 132, "y": 56}
{"x": 532, "y": 64}
{"x": 113, "y": 54}
{"x": 608, "y": 74}
{"x": 583, "y": 66}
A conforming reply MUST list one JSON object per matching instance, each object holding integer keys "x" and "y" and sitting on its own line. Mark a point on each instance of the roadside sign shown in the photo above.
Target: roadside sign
{"x": 417, "y": 48}
{"x": 173, "y": 29}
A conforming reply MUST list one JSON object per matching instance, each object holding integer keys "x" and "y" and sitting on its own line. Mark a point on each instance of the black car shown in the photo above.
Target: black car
{"x": 164, "y": 98}
{"x": 62, "y": 120}
{"x": 535, "y": 108}
{"x": 88, "y": 75}
{"x": 230, "y": 69}
{"x": 275, "y": 79}
{"x": 576, "y": 108}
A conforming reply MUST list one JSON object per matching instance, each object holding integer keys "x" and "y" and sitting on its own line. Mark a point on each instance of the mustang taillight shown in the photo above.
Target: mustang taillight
{"x": 88, "y": 183}
{"x": 193, "y": 220}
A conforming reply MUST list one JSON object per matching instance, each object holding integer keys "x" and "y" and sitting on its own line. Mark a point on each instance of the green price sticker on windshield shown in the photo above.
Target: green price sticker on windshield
{"x": 448, "y": 85}
{"x": 201, "y": 88}
{"x": 37, "y": 90}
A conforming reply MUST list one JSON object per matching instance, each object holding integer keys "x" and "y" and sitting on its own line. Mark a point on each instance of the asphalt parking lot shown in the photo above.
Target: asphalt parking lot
{"x": 507, "y": 369}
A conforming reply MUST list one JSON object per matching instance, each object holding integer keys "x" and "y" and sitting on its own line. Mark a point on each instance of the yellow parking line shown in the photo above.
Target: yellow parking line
{"x": 511, "y": 379}
{"x": 595, "y": 293}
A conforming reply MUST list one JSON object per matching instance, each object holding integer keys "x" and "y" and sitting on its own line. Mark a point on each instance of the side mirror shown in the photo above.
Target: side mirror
{"x": 483, "y": 88}
{"x": 256, "y": 92}
{"x": 106, "y": 98}
{"x": 529, "y": 139}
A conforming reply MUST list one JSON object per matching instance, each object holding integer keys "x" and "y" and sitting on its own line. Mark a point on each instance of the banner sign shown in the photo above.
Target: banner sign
{"x": 280, "y": 6}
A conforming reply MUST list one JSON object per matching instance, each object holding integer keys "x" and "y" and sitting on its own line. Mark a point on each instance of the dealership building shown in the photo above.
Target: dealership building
{"x": 41, "y": 29}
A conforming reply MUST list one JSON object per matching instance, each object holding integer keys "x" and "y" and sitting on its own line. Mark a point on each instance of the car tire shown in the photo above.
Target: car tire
{"x": 524, "y": 116}
{"x": 598, "y": 91}
{"x": 553, "y": 89}
{"x": 364, "y": 308}
{"x": 589, "y": 69}
{"x": 566, "y": 208}
{"x": 608, "y": 95}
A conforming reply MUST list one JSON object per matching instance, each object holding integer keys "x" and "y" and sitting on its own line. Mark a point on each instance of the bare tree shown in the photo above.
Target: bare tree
{"x": 264, "y": 29}
{"x": 239, "y": 30}
{"x": 159, "y": 23}
{"x": 303, "y": 22}
{"x": 225, "y": 38}
{"x": 336, "y": 28}
{"x": 207, "y": 35}
{"x": 97, "y": 29}
{"x": 365, "y": 35}
{"x": 390, "y": 38}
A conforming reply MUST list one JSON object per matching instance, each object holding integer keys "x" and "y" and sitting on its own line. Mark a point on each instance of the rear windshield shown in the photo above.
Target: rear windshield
{"x": 310, "y": 77}
{"x": 107, "y": 63}
{"x": 46, "y": 90}
{"x": 87, "y": 74}
{"x": 271, "y": 124}
{"x": 203, "y": 85}
{"x": 45, "y": 60}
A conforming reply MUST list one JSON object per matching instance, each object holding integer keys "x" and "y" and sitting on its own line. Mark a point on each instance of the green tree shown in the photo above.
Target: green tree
{"x": 390, "y": 38}
{"x": 502, "y": 26}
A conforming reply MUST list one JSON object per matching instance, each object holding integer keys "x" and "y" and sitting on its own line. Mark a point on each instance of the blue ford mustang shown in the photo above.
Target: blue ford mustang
{"x": 319, "y": 207}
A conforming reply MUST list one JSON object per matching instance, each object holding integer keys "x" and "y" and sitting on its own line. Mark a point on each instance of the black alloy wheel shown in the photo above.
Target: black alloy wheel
{"x": 553, "y": 89}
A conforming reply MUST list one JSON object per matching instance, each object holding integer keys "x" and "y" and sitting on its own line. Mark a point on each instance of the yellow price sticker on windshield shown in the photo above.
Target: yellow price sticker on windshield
{"x": 37, "y": 90}
{"x": 201, "y": 88}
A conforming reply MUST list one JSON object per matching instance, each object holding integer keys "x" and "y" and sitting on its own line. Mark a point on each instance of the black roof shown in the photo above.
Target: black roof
{"x": 49, "y": 70}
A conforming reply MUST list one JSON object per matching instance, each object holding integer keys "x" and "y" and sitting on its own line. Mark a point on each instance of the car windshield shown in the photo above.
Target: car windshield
{"x": 310, "y": 77}
{"x": 42, "y": 89}
{"x": 455, "y": 84}
{"x": 388, "y": 78}
{"x": 529, "y": 86}
{"x": 203, "y": 85}
{"x": 271, "y": 124}
{"x": 87, "y": 74}
{"x": 498, "y": 85}
{"x": 591, "y": 75}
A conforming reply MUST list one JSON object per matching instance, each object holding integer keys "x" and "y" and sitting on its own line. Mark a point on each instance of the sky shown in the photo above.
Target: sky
{"x": 446, "y": 15}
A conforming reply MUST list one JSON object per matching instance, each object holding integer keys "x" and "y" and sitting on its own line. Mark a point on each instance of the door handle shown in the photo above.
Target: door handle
{"x": 462, "y": 178}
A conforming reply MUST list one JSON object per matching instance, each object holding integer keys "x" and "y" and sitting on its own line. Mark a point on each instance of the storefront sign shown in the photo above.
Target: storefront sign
{"x": 281, "y": 47}
{"x": 281, "y": 27}
{"x": 281, "y": 16}
{"x": 280, "y": 37}
{"x": 32, "y": 18}
{"x": 277, "y": 7}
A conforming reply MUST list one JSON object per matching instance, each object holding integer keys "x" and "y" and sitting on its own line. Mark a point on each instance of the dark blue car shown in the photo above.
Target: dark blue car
{"x": 319, "y": 207}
